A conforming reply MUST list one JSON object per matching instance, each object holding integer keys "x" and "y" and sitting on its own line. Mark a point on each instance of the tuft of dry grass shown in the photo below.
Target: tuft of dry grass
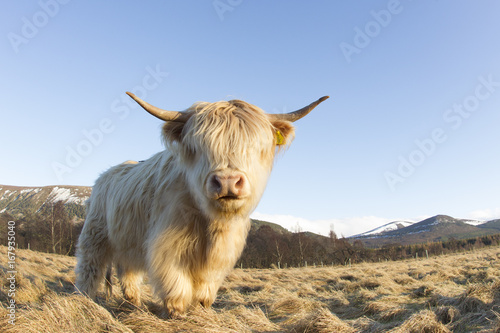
{"x": 424, "y": 321}
{"x": 73, "y": 313}
{"x": 385, "y": 310}
{"x": 323, "y": 321}
{"x": 452, "y": 293}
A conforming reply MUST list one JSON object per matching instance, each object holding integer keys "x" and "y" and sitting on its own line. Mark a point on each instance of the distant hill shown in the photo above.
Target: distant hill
{"x": 493, "y": 224}
{"x": 256, "y": 224}
{"x": 436, "y": 228}
{"x": 20, "y": 200}
{"x": 396, "y": 225}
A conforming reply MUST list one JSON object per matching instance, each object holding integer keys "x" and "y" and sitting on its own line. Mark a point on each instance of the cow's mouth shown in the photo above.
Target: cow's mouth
{"x": 229, "y": 198}
{"x": 229, "y": 203}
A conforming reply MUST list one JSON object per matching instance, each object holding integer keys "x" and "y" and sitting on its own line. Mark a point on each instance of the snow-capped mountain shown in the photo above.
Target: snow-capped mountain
{"x": 436, "y": 228}
{"x": 395, "y": 225}
{"x": 23, "y": 200}
{"x": 472, "y": 222}
{"x": 18, "y": 201}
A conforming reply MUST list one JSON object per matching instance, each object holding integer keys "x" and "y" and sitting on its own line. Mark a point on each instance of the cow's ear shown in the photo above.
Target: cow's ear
{"x": 284, "y": 132}
{"x": 172, "y": 131}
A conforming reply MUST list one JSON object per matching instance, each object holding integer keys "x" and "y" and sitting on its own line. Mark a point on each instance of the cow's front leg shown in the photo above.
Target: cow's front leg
{"x": 176, "y": 306}
{"x": 205, "y": 294}
{"x": 169, "y": 268}
{"x": 130, "y": 281}
{"x": 179, "y": 294}
{"x": 175, "y": 287}
{"x": 206, "y": 289}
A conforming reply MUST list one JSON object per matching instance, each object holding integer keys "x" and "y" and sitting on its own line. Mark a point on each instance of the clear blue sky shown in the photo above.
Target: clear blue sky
{"x": 411, "y": 129}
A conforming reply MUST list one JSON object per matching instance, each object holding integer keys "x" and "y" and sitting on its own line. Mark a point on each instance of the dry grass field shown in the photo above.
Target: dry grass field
{"x": 452, "y": 293}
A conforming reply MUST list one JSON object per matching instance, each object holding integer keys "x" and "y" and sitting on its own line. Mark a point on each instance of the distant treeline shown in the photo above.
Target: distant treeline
{"x": 267, "y": 247}
{"x": 51, "y": 230}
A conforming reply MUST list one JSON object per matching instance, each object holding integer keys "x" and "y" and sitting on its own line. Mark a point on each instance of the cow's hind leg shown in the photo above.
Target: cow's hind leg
{"x": 108, "y": 282}
{"x": 94, "y": 255}
{"x": 130, "y": 281}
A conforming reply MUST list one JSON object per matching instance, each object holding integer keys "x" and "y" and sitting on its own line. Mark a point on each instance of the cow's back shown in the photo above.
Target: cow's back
{"x": 125, "y": 195}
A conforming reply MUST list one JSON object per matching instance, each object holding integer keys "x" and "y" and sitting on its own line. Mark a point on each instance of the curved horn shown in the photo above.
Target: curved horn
{"x": 160, "y": 113}
{"x": 296, "y": 115}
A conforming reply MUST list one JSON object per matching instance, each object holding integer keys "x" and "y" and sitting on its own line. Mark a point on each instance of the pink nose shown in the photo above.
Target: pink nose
{"x": 227, "y": 185}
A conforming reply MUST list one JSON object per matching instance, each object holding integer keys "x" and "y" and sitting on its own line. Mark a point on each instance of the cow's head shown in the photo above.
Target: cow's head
{"x": 226, "y": 150}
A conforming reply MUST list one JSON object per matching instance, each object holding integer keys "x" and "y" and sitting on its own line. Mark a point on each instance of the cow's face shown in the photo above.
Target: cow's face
{"x": 226, "y": 150}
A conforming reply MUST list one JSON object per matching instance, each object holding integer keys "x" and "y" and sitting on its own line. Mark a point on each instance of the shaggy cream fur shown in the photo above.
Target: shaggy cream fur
{"x": 157, "y": 216}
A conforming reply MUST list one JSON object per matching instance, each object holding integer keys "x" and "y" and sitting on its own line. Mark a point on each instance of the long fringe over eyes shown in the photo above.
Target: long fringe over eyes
{"x": 229, "y": 129}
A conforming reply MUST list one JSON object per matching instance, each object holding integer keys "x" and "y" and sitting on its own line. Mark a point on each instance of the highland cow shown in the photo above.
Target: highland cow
{"x": 182, "y": 216}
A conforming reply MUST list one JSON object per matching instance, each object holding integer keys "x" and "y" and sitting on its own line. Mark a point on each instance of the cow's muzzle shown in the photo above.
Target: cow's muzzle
{"x": 227, "y": 185}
